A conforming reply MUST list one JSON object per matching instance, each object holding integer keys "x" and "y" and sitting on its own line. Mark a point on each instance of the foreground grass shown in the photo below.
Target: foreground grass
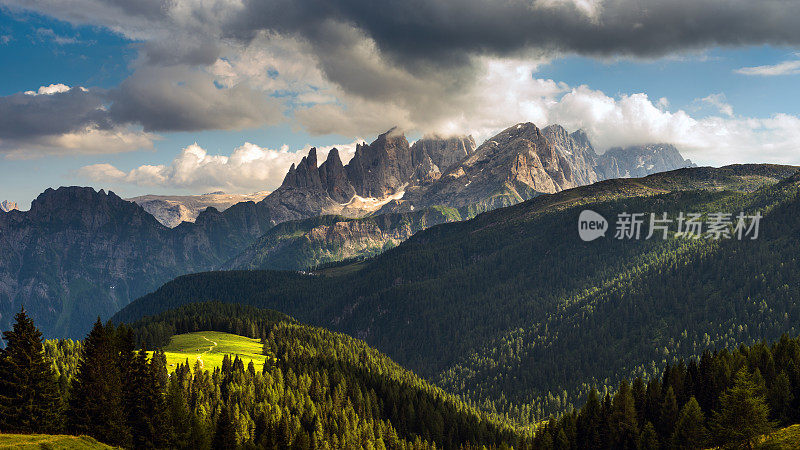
{"x": 55, "y": 441}
{"x": 785, "y": 438}
{"x": 209, "y": 347}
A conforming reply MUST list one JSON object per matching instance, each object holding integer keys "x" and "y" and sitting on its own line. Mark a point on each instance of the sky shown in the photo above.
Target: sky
{"x": 187, "y": 96}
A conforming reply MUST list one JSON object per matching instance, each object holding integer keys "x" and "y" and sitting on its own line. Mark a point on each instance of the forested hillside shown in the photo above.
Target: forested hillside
{"x": 321, "y": 390}
{"x": 513, "y": 310}
{"x": 728, "y": 399}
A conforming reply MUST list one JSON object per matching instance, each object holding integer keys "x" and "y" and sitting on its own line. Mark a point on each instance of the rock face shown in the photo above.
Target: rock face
{"x": 381, "y": 168}
{"x": 79, "y": 253}
{"x": 642, "y": 160}
{"x": 171, "y": 210}
{"x": 523, "y": 161}
{"x": 7, "y": 205}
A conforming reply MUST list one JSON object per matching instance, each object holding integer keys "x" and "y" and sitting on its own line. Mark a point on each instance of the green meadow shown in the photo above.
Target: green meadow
{"x": 40, "y": 441}
{"x": 210, "y": 347}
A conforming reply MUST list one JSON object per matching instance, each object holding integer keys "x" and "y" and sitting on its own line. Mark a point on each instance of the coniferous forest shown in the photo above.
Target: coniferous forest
{"x": 320, "y": 389}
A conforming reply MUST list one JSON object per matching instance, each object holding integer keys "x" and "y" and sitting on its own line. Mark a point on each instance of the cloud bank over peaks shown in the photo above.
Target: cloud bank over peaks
{"x": 248, "y": 168}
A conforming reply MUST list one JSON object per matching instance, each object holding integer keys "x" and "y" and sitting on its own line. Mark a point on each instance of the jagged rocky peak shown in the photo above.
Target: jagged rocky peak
{"x": 582, "y": 139}
{"x": 334, "y": 178}
{"x": 383, "y": 167}
{"x": 305, "y": 175}
{"x": 578, "y": 155}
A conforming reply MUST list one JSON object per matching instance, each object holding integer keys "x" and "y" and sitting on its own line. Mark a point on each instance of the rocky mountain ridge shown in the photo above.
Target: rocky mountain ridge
{"x": 523, "y": 161}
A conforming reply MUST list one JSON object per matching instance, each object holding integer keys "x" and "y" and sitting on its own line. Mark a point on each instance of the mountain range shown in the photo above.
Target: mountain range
{"x": 171, "y": 210}
{"x": 79, "y": 253}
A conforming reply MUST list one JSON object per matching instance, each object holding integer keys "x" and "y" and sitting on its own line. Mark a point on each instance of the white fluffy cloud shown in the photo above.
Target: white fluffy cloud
{"x": 248, "y": 168}
{"x": 712, "y": 140}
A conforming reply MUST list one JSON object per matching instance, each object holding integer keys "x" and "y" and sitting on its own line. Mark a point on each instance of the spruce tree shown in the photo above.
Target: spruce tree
{"x": 624, "y": 429}
{"x": 96, "y": 404}
{"x": 30, "y": 400}
{"x": 648, "y": 439}
{"x": 669, "y": 414}
{"x": 743, "y": 413}
{"x": 225, "y": 434}
{"x": 690, "y": 432}
{"x": 137, "y": 401}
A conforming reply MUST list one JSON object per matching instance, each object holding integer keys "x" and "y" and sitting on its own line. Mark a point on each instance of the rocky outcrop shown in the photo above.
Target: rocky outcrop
{"x": 171, "y": 210}
{"x": 381, "y": 168}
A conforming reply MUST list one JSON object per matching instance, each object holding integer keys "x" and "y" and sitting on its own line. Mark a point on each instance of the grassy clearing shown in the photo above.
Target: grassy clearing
{"x": 210, "y": 347}
{"x": 55, "y": 441}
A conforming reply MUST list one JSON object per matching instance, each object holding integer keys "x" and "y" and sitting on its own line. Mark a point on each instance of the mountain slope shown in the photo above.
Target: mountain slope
{"x": 425, "y": 302}
{"x": 308, "y": 243}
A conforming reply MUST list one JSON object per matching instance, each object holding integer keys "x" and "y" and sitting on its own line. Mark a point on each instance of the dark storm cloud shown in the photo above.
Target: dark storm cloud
{"x": 179, "y": 99}
{"x": 23, "y": 115}
{"x": 156, "y": 99}
{"x": 445, "y": 30}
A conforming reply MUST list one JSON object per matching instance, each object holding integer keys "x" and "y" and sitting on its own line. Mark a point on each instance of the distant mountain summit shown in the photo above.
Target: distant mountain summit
{"x": 171, "y": 210}
{"x": 641, "y": 160}
{"x": 7, "y": 205}
{"x": 378, "y": 173}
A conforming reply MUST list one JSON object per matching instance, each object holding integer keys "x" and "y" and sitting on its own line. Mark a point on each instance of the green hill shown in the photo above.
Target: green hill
{"x": 42, "y": 441}
{"x": 514, "y": 311}
{"x": 208, "y": 348}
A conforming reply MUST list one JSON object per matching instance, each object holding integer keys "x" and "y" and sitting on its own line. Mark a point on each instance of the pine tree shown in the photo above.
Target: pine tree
{"x": 648, "y": 439}
{"x": 743, "y": 412}
{"x": 137, "y": 401}
{"x": 669, "y": 414}
{"x": 624, "y": 429}
{"x": 30, "y": 399}
{"x": 96, "y": 404}
{"x": 690, "y": 432}
{"x": 224, "y": 434}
